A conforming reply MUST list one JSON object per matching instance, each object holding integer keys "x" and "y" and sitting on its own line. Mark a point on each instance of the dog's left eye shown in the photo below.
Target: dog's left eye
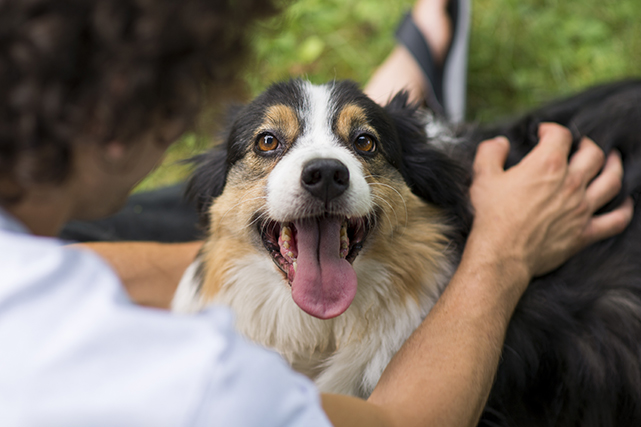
{"x": 365, "y": 143}
{"x": 267, "y": 142}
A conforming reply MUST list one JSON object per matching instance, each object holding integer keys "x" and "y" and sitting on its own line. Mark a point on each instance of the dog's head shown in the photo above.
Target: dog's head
{"x": 310, "y": 173}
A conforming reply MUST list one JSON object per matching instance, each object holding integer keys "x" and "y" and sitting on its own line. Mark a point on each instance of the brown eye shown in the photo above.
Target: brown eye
{"x": 267, "y": 142}
{"x": 365, "y": 143}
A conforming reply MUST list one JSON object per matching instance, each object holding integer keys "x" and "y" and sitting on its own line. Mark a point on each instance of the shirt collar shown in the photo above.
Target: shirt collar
{"x": 9, "y": 223}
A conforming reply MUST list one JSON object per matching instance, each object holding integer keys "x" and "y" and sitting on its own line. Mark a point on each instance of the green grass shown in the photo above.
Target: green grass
{"x": 173, "y": 168}
{"x": 525, "y": 52}
{"x": 522, "y": 52}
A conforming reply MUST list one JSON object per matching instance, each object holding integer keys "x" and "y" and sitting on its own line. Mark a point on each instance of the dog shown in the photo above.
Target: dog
{"x": 335, "y": 224}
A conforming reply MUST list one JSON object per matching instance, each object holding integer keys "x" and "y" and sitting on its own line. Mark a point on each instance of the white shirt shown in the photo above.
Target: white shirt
{"x": 74, "y": 351}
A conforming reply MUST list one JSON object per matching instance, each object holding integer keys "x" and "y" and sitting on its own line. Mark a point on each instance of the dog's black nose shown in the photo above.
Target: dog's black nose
{"x": 325, "y": 179}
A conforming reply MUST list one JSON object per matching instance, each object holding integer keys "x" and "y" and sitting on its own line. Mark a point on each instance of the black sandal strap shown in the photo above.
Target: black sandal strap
{"x": 411, "y": 37}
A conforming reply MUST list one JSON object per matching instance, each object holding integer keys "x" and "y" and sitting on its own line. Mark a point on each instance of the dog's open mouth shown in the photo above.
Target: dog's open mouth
{"x": 317, "y": 254}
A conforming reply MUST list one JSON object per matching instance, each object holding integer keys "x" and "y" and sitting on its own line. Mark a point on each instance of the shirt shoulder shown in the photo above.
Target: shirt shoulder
{"x": 252, "y": 386}
{"x": 76, "y": 351}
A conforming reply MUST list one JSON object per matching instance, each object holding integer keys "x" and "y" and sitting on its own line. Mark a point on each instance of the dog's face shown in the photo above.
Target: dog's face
{"x": 313, "y": 173}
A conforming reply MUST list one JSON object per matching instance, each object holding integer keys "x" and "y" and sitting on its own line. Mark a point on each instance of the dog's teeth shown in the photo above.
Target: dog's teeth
{"x": 290, "y": 254}
{"x": 344, "y": 240}
{"x": 295, "y": 264}
{"x": 286, "y": 233}
{"x": 286, "y": 245}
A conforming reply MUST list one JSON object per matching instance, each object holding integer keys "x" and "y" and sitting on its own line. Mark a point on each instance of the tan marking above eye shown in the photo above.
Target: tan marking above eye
{"x": 267, "y": 142}
{"x": 351, "y": 116}
{"x": 352, "y": 119}
{"x": 283, "y": 119}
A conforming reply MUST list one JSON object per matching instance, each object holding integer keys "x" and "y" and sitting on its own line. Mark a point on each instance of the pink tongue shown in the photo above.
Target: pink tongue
{"x": 324, "y": 284}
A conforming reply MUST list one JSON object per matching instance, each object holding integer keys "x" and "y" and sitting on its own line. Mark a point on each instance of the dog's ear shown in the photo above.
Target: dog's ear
{"x": 429, "y": 172}
{"x": 208, "y": 180}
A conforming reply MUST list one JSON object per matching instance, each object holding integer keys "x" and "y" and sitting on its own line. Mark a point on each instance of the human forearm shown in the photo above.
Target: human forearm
{"x": 443, "y": 373}
{"x": 150, "y": 271}
{"x": 450, "y": 361}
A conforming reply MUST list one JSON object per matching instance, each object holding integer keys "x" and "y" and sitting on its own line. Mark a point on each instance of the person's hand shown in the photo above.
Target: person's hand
{"x": 541, "y": 211}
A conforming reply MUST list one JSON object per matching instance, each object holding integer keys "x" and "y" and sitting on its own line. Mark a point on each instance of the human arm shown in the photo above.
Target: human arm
{"x": 443, "y": 373}
{"x": 528, "y": 221}
{"x": 150, "y": 271}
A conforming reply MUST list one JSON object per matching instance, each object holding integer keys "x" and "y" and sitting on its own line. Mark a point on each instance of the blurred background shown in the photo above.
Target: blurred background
{"x": 522, "y": 53}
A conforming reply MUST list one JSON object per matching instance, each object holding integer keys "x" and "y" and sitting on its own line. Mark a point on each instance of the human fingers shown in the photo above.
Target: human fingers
{"x": 607, "y": 184}
{"x": 491, "y": 155}
{"x": 609, "y": 224}
{"x": 586, "y": 163}
{"x": 554, "y": 140}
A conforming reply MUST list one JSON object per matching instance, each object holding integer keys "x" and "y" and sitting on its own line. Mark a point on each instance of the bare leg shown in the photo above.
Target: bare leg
{"x": 399, "y": 70}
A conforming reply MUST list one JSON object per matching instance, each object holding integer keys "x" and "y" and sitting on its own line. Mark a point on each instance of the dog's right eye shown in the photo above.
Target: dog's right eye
{"x": 365, "y": 144}
{"x": 266, "y": 143}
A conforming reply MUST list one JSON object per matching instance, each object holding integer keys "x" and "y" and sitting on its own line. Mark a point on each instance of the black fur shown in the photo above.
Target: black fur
{"x": 572, "y": 354}
{"x": 208, "y": 180}
{"x": 431, "y": 174}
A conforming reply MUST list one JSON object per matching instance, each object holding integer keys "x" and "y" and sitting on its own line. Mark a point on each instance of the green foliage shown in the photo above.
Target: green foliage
{"x": 325, "y": 39}
{"x": 522, "y": 52}
{"x": 525, "y": 52}
{"x": 174, "y": 168}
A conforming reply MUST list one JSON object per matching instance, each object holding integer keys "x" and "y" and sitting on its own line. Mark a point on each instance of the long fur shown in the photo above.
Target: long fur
{"x": 572, "y": 354}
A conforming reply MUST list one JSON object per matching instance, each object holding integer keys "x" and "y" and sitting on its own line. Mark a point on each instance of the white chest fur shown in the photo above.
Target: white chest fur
{"x": 346, "y": 354}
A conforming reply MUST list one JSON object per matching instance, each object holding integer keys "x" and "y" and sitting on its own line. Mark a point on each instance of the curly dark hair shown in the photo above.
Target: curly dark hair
{"x": 100, "y": 70}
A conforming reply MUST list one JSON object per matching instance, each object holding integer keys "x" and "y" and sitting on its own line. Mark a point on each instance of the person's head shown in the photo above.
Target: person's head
{"x": 112, "y": 81}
